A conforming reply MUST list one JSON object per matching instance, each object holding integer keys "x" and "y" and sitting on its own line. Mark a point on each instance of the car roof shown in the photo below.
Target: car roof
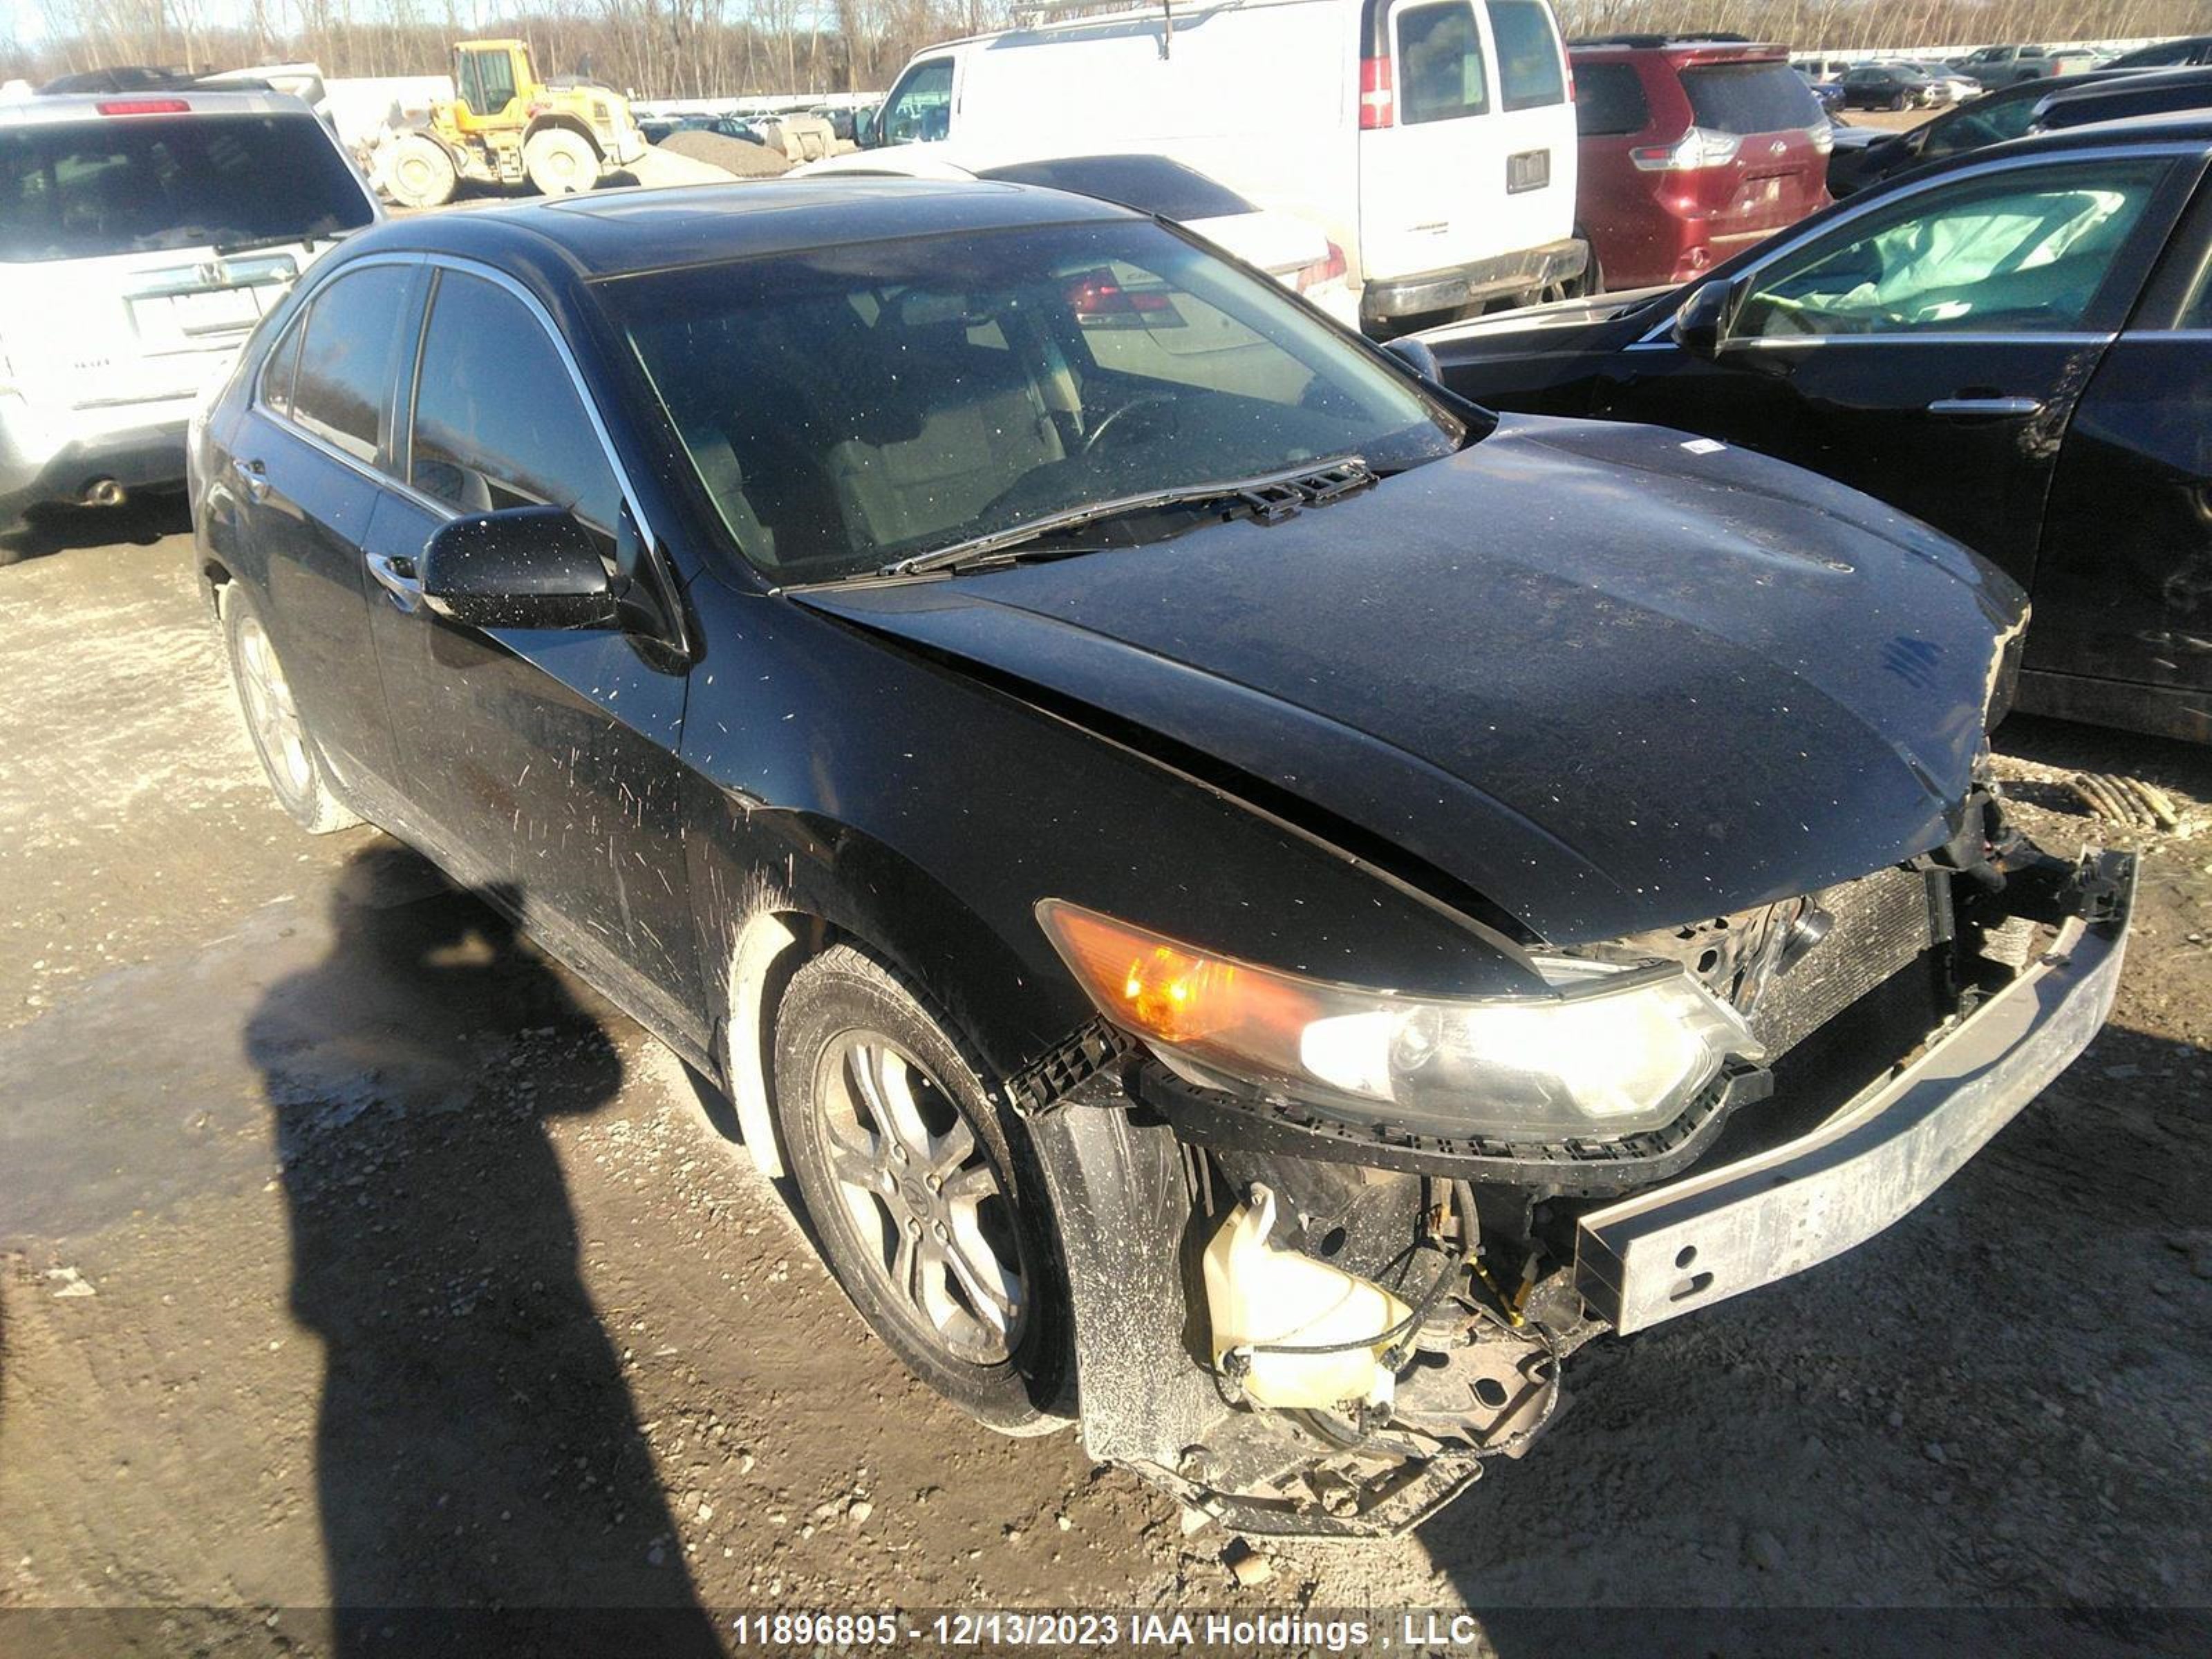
{"x": 1679, "y": 48}
{"x": 2064, "y": 88}
{"x": 47, "y": 109}
{"x": 2185, "y": 128}
{"x": 625, "y": 232}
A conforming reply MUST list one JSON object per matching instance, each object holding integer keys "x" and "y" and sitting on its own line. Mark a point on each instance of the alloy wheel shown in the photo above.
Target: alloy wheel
{"x": 270, "y": 709}
{"x": 929, "y": 1208}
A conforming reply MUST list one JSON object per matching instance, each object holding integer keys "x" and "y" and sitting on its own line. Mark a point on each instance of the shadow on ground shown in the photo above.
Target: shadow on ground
{"x": 140, "y": 522}
{"x": 476, "y": 1447}
{"x": 2163, "y": 761}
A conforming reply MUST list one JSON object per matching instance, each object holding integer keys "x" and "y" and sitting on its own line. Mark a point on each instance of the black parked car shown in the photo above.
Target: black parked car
{"x": 1885, "y": 86}
{"x": 2167, "y": 54}
{"x": 2029, "y": 107}
{"x": 2015, "y": 347}
{"x": 1172, "y": 828}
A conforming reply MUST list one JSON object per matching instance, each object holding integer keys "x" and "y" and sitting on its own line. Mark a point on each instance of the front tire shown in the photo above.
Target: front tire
{"x": 559, "y": 162}
{"x": 273, "y": 722}
{"x": 418, "y": 172}
{"x": 923, "y": 1194}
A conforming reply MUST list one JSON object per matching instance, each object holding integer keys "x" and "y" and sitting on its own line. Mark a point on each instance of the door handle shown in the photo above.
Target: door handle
{"x": 253, "y": 478}
{"x": 1987, "y": 408}
{"x": 398, "y": 577}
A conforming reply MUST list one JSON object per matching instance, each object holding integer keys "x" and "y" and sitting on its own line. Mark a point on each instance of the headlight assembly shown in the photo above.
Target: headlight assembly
{"x": 1604, "y": 1051}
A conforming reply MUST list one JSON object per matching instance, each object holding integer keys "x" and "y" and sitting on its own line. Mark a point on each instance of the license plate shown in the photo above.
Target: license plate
{"x": 215, "y": 311}
{"x": 1530, "y": 170}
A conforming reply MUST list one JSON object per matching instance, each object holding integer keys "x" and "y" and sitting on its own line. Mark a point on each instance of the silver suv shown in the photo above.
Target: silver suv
{"x": 142, "y": 234}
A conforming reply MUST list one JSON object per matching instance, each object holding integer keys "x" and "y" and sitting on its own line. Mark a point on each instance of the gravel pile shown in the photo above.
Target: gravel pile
{"x": 732, "y": 155}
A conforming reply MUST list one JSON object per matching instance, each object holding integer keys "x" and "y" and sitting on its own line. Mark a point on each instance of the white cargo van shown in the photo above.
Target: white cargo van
{"x": 1433, "y": 140}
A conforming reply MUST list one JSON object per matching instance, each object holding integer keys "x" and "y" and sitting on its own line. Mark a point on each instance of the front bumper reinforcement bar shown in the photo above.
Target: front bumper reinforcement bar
{"x": 1677, "y": 1248}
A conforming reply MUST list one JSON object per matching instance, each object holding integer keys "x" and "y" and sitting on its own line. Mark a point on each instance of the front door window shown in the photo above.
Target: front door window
{"x": 921, "y": 111}
{"x": 2013, "y": 252}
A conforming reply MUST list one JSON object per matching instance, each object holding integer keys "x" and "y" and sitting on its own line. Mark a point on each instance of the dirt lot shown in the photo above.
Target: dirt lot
{"x": 352, "y": 1251}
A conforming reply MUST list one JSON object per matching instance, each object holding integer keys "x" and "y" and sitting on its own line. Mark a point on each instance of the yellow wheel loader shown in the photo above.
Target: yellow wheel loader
{"x": 506, "y": 126}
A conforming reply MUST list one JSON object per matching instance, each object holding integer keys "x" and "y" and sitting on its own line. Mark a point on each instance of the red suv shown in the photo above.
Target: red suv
{"x": 1693, "y": 146}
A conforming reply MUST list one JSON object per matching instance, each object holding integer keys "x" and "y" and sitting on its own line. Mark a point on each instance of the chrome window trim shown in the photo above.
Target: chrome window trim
{"x": 404, "y": 419}
{"x": 499, "y": 279}
{"x": 1932, "y": 337}
{"x": 1876, "y": 200}
{"x": 322, "y": 274}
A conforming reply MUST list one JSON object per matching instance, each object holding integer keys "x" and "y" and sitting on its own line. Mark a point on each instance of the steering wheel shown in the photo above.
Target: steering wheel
{"x": 1096, "y": 435}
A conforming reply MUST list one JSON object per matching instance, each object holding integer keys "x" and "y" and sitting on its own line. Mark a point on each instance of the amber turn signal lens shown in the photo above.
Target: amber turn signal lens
{"x": 1140, "y": 980}
{"x": 1157, "y": 988}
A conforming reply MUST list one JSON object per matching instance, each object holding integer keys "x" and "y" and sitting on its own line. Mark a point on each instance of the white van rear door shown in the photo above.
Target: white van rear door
{"x": 1431, "y": 149}
{"x": 1534, "y": 198}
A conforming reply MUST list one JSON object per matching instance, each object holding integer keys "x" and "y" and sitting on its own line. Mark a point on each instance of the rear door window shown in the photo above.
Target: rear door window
{"x": 1747, "y": 98}
{"x": 1609, "y": 100}
{"x": 129, "y": 184}
{"x": 342, "y": 392}
{"x": 276, "y": 374}
{"x": 1529, "y": 73}
{"x": 1441, "y": 72}
{"x": 498, "y": 421}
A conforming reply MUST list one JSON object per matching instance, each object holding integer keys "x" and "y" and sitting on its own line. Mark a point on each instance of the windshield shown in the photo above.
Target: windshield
{"x": 851, "y": 406}
{"x": 137, "y": 184}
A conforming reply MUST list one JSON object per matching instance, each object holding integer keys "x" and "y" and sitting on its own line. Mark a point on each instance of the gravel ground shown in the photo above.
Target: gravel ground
{"x": 351, "y": 1251}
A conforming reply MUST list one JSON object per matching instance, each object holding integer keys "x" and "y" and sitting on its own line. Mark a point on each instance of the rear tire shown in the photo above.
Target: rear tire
{"x": 418, "y": 174}
{"x": 274, "y": 725}
{"x": 559, "y": 163}
{"x": 923, "y": 1194}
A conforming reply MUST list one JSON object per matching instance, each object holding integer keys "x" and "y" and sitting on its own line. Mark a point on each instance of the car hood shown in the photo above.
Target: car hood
{"x": 1606, "y": 676}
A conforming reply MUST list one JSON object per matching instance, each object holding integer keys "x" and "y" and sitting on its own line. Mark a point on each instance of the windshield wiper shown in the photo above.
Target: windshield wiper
{"x": 306, "y": 240}
{"x": 1270, "y": 498}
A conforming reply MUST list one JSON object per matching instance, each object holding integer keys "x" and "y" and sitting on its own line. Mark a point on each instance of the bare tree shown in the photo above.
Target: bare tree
{"x": 693, "y": 48}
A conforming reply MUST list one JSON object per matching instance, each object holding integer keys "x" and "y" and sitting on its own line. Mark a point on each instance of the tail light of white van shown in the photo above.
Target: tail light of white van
{"x": 1700, "y": 147}
{"x": 144, "y": 106}
{"x": 1378, "y": 98}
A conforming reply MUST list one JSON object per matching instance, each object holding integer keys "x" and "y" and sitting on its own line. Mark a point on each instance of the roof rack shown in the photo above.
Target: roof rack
{"x": 1027, "y": 14}
{"x": 140, "y": 77}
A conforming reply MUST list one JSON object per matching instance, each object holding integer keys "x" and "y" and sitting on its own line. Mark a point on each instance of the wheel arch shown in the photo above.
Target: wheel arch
{"x": 566, "y": 123}
{"x": 780, "y": 893}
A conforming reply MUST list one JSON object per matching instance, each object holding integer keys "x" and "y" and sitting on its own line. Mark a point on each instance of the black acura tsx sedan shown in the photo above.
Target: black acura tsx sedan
{"x": 1258, "y": 904}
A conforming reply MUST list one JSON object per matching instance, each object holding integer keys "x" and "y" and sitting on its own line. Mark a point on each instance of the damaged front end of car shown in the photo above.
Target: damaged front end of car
{"x": 1329, "y": 1249}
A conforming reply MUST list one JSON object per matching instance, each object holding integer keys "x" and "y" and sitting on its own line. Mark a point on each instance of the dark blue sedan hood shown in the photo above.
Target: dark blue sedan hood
{"x": 1610, "y": 677}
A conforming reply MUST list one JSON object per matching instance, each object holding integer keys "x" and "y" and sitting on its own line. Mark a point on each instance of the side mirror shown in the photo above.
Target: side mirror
{"x": 1697, "y": 325}
{"x": 527, "y": 566}
{"x": 864, "y": 129}
{"x": 1416, "y": 356}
